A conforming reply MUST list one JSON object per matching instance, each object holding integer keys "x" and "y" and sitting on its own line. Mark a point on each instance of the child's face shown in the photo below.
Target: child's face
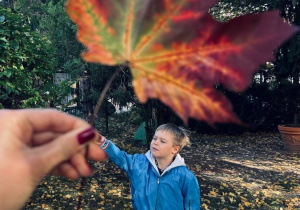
{"x": 162, "y": 145}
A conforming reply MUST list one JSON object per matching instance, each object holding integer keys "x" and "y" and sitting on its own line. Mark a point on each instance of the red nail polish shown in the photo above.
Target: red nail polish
{"x": 86, "y": 135}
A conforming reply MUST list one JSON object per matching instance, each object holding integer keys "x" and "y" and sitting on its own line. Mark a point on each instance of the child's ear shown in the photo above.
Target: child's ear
{"x": 176, "y": 149}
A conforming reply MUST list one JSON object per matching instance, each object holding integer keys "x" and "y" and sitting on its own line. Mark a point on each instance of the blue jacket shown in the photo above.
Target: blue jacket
{"x": 176, "y": 188}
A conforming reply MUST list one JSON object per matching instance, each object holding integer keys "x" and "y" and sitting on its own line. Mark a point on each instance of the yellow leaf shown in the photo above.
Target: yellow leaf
{"x": 247, "y": 203}
{"x": 204, "y": 206}
{"x": 241, "y": 206}
{"x": 101, "y": 195}
{"x": 101, "y": 203}
{"x": 231, "y": 194}
{"x": 243, "y": 198}
{"x": 294, "y": 199}
{"x": 213, "y": 193}
{"x": 224, "y": 184}
{"x": 68, "y": 196}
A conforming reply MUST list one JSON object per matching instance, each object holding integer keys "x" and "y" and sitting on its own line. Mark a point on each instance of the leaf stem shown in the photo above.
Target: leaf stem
{"x": 102, "y": 96}
{"x": 92, "y": 121}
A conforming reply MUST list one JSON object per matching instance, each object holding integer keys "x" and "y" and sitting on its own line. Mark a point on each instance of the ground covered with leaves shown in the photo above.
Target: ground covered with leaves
{"x": 249, "y": 171}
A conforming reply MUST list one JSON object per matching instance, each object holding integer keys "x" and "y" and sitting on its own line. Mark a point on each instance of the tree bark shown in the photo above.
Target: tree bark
{"x": 85, "y": 90}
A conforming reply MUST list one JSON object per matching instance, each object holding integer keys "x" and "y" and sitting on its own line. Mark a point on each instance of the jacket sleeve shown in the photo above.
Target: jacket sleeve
{"x": 118, "y": 157}
{"x": 191, "y": 192}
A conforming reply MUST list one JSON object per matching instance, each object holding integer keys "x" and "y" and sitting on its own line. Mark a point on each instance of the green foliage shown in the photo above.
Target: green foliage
{"x": 62, "y": 32}
{"x": 26, "y": 64}
{"x": 50, "y": 19}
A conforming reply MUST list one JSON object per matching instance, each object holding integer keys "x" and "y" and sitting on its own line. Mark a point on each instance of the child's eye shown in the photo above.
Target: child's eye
{"x": 163, "y": 142}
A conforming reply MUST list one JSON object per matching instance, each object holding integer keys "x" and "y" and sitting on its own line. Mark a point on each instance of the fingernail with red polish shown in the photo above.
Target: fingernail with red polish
{"x": 86, "y": 135}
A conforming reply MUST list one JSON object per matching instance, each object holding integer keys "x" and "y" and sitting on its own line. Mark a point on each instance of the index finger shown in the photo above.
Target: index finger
{"x": 24, "y": 123}
{"x": 52, "y": 120}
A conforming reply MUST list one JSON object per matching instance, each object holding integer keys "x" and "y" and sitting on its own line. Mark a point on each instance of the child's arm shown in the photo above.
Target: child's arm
{"x": 118, "y": 157}
{"x": 191, "y": 192}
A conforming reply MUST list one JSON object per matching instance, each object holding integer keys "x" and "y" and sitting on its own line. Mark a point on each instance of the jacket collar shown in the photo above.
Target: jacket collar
{"x": 179, "y": 161}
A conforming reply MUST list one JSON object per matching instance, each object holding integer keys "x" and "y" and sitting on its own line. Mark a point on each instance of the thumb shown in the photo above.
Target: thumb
{"x": 47, "y": 156}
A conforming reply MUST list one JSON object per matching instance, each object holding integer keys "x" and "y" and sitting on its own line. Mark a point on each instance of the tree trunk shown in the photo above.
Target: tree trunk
{"x": 149, "y": 121}
{"x": 106, "y": 123}
{"x": 85, "y": 101}
{"x": 297, "y": 101}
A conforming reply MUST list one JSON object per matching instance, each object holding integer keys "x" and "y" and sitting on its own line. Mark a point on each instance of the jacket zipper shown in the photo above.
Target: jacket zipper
{"x": 189, "y": 204}
{"x": 157, "y": 193}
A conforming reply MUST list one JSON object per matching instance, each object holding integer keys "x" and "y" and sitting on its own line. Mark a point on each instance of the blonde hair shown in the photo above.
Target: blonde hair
{"x": 180, "y": 134}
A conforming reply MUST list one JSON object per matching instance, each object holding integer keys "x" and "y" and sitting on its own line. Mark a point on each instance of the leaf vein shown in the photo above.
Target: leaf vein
{"x": 156, "y": 28}
{"x": 128, "y": 29}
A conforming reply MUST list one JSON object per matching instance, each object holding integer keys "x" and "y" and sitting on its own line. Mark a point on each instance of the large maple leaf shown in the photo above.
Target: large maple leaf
{"x": 177, "y": 52}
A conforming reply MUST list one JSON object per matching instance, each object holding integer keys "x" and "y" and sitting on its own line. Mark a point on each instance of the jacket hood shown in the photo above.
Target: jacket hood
{"x": 179, "y": 161}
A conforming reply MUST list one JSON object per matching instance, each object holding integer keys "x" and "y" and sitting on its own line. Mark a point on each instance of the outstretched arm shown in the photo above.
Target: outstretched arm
{"x": 118, "y": 157}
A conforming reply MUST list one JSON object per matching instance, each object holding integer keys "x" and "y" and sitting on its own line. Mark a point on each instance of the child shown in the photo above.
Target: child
{"x": 159, "y": 179}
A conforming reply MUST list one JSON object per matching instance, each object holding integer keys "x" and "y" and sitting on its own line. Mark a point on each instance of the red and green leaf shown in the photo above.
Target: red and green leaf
{"x": 177, "y": 52}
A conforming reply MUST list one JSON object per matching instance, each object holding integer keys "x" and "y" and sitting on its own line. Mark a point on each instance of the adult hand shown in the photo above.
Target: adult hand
{"x": 35, "y": 142}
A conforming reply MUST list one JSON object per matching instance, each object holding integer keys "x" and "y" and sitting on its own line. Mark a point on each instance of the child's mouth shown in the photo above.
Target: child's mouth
{"x": 154, "y": 149}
